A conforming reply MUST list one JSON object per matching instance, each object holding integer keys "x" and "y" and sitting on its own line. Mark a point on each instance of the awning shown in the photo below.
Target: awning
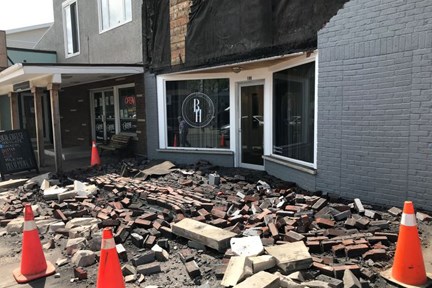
{"x": 40, "y": 75}
{"x": 37, "y": 77}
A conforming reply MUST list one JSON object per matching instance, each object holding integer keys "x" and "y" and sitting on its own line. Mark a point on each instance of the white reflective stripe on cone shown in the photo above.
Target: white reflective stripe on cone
{"x": 29, "y": 226}
{"x": 108, "y": 243}
{"x": 408, "y": 220}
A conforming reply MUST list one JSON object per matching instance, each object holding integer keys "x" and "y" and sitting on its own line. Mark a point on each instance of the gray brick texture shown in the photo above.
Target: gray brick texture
{"x": 375, "y": 103}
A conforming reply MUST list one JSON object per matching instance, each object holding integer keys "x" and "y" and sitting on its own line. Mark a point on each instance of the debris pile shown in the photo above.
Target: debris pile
{"x": 224, "y": 229}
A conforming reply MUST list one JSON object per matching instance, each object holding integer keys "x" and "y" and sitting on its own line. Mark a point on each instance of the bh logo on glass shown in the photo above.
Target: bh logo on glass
{"x": 198, "y": 110}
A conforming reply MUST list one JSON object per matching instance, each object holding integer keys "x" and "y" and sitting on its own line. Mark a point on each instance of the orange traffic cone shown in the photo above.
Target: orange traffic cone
{"x": 222, "y": 140}
{"x": 95, "y": 159}
{"x": 33, "y": 263}
{"x": 175, "y": 140}
{"x": 408, "y": 266}
{"x": 110, "y": 273}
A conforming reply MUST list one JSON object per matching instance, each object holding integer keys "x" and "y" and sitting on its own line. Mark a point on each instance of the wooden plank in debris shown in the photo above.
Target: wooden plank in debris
{"x": 206, "y": 234}
{"x": 12, "y": 183}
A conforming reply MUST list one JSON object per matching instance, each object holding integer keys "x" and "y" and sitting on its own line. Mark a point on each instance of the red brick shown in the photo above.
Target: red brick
{"x": 292, "y": 208}
{"x": 324, "y": 269}
{"x": 216, "y": 212}
{"x": 325, "y": 223}
{"x": 375, "y": 239}
{"x": 143, "y": 223}
{"x": 263, "y": 214}
{"x": 102, "y": 216}
{"x": 273, "y": 230}
{"x": 80, "y": 273}
{"x": 204, "y": 213}
{"x": 348, "y": 242}
{"x": 375, "y": 255}
{"x": 58, "y": 214}
{"x": 392, "y": 237}
{"x": 126, "y": 201}
{"x": 192, "y": 269}
{"x": 338, "y": 250}
{"x": 356, "y": 250}
{"x": 314, "y": 246}
{"x": 150, "y": 241}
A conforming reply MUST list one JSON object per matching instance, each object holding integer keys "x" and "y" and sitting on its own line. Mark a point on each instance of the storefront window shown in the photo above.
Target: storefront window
{"x": 127, "y": 106}
{"x": 294, "y": 110}
{"x": 198, "y": 113}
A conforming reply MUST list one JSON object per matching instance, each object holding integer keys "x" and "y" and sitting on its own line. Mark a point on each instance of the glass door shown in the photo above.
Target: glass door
{"x": 251, "y": 126}
{"x": 29, "y": 121}
{"x": 104, "y": 115}
{"x": 29, "y": 117}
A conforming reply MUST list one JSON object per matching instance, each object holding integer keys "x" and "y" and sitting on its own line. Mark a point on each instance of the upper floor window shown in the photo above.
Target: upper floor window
{"x": 71, "y": 29}
{"x": 113, "y": 13}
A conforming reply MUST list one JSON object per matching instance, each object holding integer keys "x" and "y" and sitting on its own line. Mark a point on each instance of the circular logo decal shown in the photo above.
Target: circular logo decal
{"x": 198, "y": 110}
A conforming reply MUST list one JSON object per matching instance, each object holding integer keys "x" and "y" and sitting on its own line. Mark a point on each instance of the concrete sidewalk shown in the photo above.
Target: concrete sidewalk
{"x": 74, "y": 159}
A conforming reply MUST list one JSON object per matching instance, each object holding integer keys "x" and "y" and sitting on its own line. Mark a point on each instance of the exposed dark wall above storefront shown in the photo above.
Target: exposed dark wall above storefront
{"x": 156, "y": 32}
{"x": 226, "y": 31}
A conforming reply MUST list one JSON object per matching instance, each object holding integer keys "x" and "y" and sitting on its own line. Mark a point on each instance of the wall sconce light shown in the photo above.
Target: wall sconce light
{"x": 237, "y": 69}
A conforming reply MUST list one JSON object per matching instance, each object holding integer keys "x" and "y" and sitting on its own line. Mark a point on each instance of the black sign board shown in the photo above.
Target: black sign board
{"x": 16, "y": 152}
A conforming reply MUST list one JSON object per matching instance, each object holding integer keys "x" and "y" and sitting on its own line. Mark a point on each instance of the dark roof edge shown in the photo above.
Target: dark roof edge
{"x": 82, "y": 64}
{"x": 31, "y": 50}
{"x": 231, "y": 59}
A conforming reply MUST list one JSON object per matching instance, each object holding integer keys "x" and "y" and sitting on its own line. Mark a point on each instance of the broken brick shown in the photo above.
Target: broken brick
{"x": 192, "y": 269}
{"x": 356, "y": 250}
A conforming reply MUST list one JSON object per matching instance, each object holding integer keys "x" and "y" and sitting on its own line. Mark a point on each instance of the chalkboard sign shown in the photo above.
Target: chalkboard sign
{"x": 16, "y": 152}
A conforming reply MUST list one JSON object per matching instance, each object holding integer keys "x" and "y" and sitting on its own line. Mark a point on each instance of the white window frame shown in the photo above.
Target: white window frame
{"x": 235, "y": 79}
{"x": 100, "y": 16}
{"x": 162, "y": 109}
{"x": 64, "y": 5}
{"x": 278, "y": 68}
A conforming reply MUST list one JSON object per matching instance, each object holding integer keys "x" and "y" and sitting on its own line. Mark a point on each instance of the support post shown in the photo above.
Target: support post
{"x": 55, "y": 116}
{"x": 13, "y": 100}
{"x": 37, "y": 96}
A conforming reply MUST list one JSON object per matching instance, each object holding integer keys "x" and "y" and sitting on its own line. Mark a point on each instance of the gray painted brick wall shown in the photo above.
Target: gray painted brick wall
{"x": 302, "y": 179}
{"x": 375, "y": 103}
{"x": 151, "y": 115}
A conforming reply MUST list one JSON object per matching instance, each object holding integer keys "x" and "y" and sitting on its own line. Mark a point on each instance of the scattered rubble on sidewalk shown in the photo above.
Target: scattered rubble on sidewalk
{"x": 247, "y": 230}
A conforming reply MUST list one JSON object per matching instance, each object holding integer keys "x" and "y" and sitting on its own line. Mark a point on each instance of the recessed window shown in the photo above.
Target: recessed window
{"x": 197, "y": 113}
{"x": 71, "y": 29}
{"x": 294, "y": 112}
{"x": 114, "y": 13}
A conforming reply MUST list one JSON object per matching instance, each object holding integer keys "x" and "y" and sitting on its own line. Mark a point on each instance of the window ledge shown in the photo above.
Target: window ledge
{"x": 196, "y": 151}
{"x": 72, "y": 55}
{"x": 292, "y": 165}
{"x": 101, "y": 31}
